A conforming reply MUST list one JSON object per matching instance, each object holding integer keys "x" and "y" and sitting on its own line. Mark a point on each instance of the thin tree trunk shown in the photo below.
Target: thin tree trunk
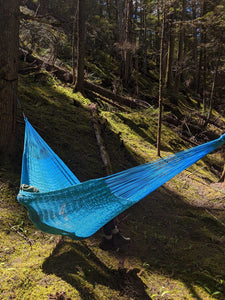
{"x": 195, "y": 45}
{"x": 9, "y": 43}
{"x": 43, "y": 7}
{"x": 204, "y": 72}
{"x": 222, "y": 177}
{"x": 202, "y": 30}
{"x": 79, "y": 86}
{"x": 104, "y": 155}
{"x": 161, "y": 82}
{"x": 212, "y": 92}
{"x": 120, "y": 32}
{"x": 74, "y": 35}
{"x": 144, "y": 40}
{"x": 180, "y": 49}
{"x": 157, "y": 41}
{"x": 170, "y": 56}
{"x": 120, "y": 22}
{"x": 128, "y": 42}
{"x": 137, "y": 75}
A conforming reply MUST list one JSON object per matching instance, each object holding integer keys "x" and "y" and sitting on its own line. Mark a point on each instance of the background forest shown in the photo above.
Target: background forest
{"x": 151, "y": 75}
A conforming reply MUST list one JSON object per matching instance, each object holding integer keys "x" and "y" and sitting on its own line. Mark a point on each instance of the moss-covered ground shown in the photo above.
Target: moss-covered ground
{"x": 177, "y": 232}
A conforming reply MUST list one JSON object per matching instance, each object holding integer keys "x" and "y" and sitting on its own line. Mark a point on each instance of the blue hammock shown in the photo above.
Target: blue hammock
{"x": 66, "y": 206}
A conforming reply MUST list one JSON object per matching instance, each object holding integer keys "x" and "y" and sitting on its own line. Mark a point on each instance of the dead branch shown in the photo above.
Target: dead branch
{"x": 20, "y": 234}
{"x": 100, "y": 142}
{"x": 66, "y": 76}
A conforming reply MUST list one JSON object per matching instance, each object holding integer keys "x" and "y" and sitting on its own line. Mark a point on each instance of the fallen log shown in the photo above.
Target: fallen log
{"x": 104, "y": 155}
{"x": 133, "y": 103}
{"x": 66, "y": 76}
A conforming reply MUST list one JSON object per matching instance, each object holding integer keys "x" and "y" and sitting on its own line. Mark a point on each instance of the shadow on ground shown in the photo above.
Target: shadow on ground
{"x": 169, "y": 237}
{"x": 75, "y": 263}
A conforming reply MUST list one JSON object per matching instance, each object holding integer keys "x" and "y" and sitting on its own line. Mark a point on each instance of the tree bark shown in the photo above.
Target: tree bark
{"x": 144, "y": 40}
{"x": 180, "y": 48}
{"x": 79, "y": 86}
{"x": 43, "y": 7}
{"x": 104, "y": 155}
{"x": 195, "y": 45}
{"x": 127, "y": 49}
{"x": 9, "y": 46}
{"x": 212, "y": 91}
{"x": 74, "y": 36}
{"x": 170, "y": 57}
{"x": 161, "y": 81}
{"x": 202, "y": 45}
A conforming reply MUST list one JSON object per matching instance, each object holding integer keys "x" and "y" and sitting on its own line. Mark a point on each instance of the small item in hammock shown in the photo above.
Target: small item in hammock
{"x": 29, "y": 188}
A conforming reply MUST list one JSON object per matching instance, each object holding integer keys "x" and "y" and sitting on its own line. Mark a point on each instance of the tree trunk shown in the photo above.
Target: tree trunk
{"x": 204, "y": 56}
{"x": 127, "y": 49}
{"x": 9, "y": 43}
{"x": 144, "y": 40}
{"x": 195, "y": 45}
{"x": 170, "y": 56}
{"x": 212, "y": 91}
{"x": 120, "y": 22}
{"x": 222, "y": 177}
{"x": 180, "y": 49}
{"x": 43, "y": 7}
{"x": 104, "y": 155}
{"x": 157, "y": 30}
{"x": 74, "y": 37}
{"x": 161, "y": 82}
{"x": 202, "y": 30}
{"x": 79, "y": 86}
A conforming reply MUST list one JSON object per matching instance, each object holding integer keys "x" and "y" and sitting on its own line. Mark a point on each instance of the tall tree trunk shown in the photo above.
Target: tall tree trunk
{"x": 79, "y": 86}
{"x": 120, "y": 22}
{"x": 212, "y": 90}
{"x": 127, "y": 49}
{"x": 170, "y": 57}
{"x": 144, "y": 39}
{"x": 195, "y": 45}
{"x": 43, "y": 7}
{"x": 180, "y": 48}
{"x": 9, "y": 45}
{"x": 200, "y": 63}
{"x": 204, "y": 56}
{"x": 74, "y": 38}
{"x": 161, "y": 81}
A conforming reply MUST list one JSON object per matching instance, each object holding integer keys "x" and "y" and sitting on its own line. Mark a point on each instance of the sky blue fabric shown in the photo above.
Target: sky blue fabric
{"x": 41, "y": 166}
{"x": 66, "y": 206}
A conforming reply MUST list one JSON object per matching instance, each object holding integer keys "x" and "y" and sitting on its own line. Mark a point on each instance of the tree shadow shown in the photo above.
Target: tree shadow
{"x": 77, "y": 264}
{"x": 170, "y": 237}
{"x": 182, "y": 241}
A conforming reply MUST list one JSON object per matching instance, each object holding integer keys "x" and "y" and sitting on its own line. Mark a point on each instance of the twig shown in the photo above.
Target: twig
{"x": 2, "y": 185}
{"x": 20, "y": 234}
{"x": 185, "y": 123}
{"x": 191, "y": 175}
{"x": 215, "y": 217}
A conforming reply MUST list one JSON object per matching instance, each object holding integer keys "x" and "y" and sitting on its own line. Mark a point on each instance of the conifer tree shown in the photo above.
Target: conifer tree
{"x": 9, "y": 46}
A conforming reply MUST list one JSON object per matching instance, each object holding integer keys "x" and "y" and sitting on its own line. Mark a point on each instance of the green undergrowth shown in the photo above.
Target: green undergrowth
{"x": 178, "y": 232}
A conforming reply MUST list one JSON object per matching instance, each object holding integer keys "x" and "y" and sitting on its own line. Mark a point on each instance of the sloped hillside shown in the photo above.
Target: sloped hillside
{"x": 177, "y": 232}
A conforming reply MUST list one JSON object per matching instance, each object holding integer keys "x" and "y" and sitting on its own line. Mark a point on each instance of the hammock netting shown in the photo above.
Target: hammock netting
{"x": 66, "y": 206}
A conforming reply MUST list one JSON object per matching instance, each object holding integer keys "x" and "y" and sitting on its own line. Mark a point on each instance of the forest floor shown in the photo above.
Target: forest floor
{"x": 177, "y": 232}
